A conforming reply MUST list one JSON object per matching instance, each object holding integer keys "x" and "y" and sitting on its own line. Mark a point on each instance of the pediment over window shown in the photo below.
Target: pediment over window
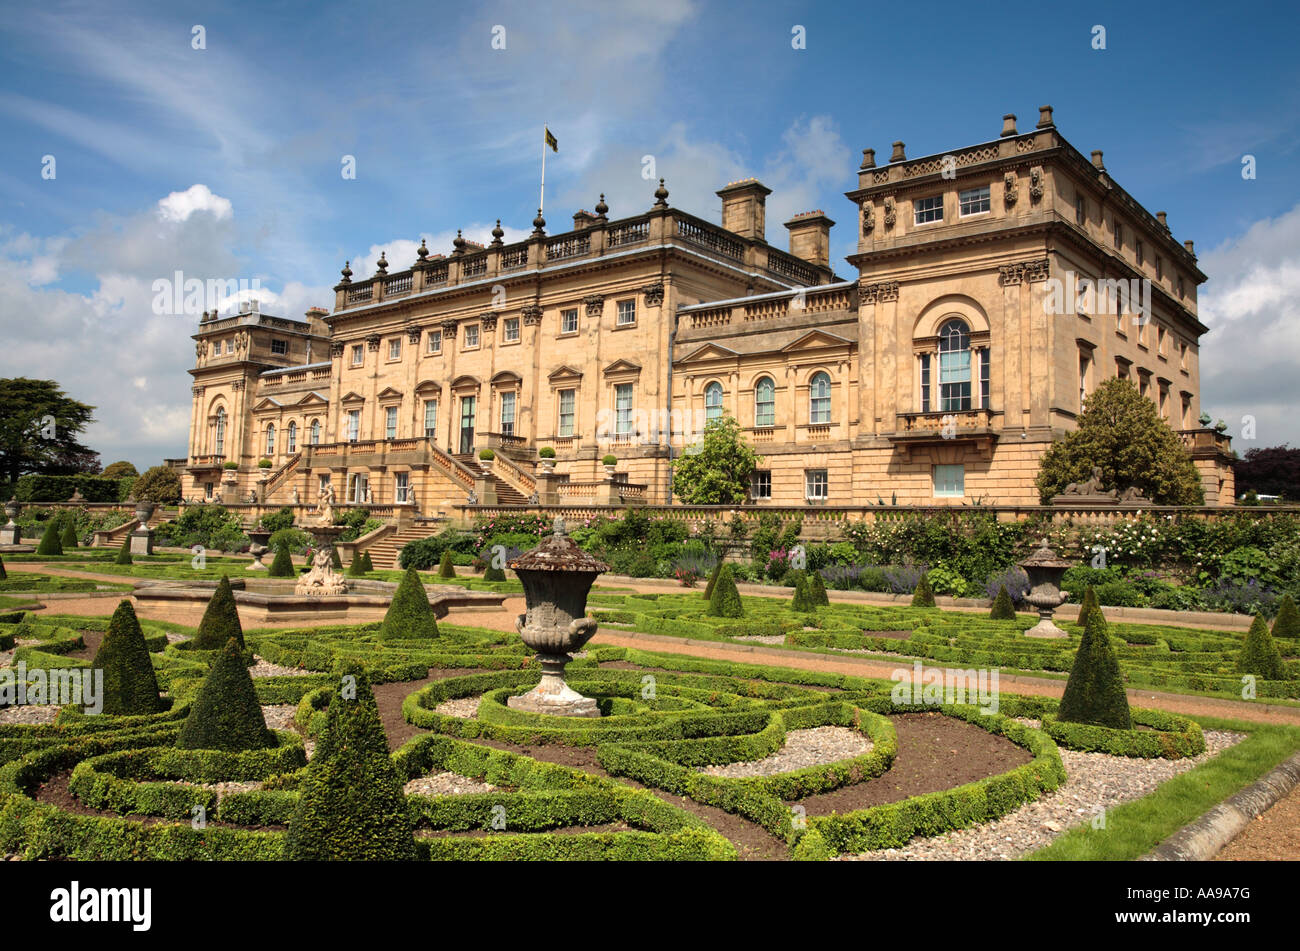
{"x": 428, "y": 386}
{"x": 710, "y": 351}
{"x": 619, "y": 367}
{"x": 816, "y": 340}
{"x": 465, "y": 383}
{"x": 352, "y": 397}
{"x": 267, "y": 403}
{"x": 388, "y": 393}
{"x": 313, "y": 398}
{"x": 507, "y": 378}
{"x": 564, "y": 374}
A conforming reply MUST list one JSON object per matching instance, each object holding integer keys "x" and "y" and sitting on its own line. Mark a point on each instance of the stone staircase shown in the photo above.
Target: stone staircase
{"x": 507, "y": 494}
{"x": 383, "y": 553}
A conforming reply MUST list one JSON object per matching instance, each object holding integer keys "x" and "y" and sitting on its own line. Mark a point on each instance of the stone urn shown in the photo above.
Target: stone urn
{"x": 611, "y": 471}
{"x": 1045, "y": 570}
{"x": 144, "y": 511}
{"x": 556, "y": 575}
{"x": 10, "y": 534}
{"x": 323, "y": 578}
{"x": 546, "y": 466}
{"x": 12, "y": 509}
{"x": 258, "y": 548}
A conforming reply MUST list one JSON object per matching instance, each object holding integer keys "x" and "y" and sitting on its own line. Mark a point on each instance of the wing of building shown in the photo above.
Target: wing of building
{"x": 995, "y": 286}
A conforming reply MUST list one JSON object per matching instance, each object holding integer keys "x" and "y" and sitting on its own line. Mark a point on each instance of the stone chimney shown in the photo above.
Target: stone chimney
{"x": 583, "y": 219}
{"x": 1096, "y": 159}
{"x": 1161, "y": 217}
{"x": 316, "y": 320}
{"x": 1009, "y": 124}
{"x": 1045, "y": 120}
{"x": 899, "y": 153}
{"x": 1190, "y": 246}
{"x": 810, "y": 237}
{"x": 744, "y": 208}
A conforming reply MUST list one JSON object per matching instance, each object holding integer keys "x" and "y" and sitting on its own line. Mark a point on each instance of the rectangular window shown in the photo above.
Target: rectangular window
{"x": 1182, "y": 355}
{"x": 1144, "y": 383}
{"x": 984, "y": 377}
{"x": 765, "y": 403}
{"x": 435, "y": 341}
{"x": 626, "y": 313}
{"x": 230, "y": 345}
{"x": 568, "y": 400}
{"x": 279, "y": 347}
{"x": 431, "y": 418}
{"x": 1121, "y": 369}
{"x": 760, "y": 484}
{"x": 1160, "y": 268}
{"x": 816, "y": 485}
{"x": 507, "y": 414}
{"x": 390, "y": 422}
{"x": 395, "y": 348}
{"x": 926, "y": 210}
{"x": 354, "y": 425}
{"x": 358, "y": 354}
{"x": 1080, "y": 210}
{"x": 954, "y": 380}
{"x": 471, "y": 336}
{"x": 293, "y": 438}
{"x": 1180, "y": 288}
{"x": 1085, "y": 364}
{"x": 623, "y": 409}
{"x": 207, "y": 490}
{"x": 402, "y": 487}
{"x": 974, "y": 201}
{"x": 1118, "y": 231}
{"x": 1138, "y": 252}
{"x": 510, "y": 329}
{"x": 1164, "y": 401}
{"x": 949, "y": 481}
{"x": 1160, "y": 341}
{"x": 925, "y": 383}
{"x": 569, "y": 321}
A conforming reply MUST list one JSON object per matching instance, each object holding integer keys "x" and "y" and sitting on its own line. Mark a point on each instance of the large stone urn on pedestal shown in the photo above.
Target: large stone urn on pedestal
{"x": 258, "y": 548}
{"x": 1045, "y": 570}
{"x": 9, "y": 534}
{"x": 322, "y": 579}
{"x": 142, "y": 535}
{"x": 556, "y": 575}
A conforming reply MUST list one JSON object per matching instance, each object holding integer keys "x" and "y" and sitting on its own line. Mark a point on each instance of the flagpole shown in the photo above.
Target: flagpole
{"x": 541, "y": 199}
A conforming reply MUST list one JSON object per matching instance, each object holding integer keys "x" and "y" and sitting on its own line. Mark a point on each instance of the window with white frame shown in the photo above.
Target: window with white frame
{"x": 279, "y": 347}
{"x": 712, "y": 402}
{"x": 816, "y": 485}
{"x": 207, "y": 490}
{"x": 354, "y": 425}
{"x": 819, "y": 399}
{"x": 760, "y": 484}
{"x": 471, "y": 336}
{"x": 510, "y": 330}
{"x": 974, "y": 201}
{"x": 293, "y": 437}
{"x": 765, "y": 402}
{"x": 430, "y": 418}
{"x": 949, "y": 481}
{"x": 954, "y": 366}
{"x": 507, "y": 414}
{"x": 623, "y": 409}
{"x": 569, "y": 321}
{"x": 358, "y": 354}
{"x": 925, "y": 383}
{"x": 984, "y": 376}
{"x": 390, "y": 422}
{"x": 435, "y": 341}
{"x": 568, "y": 401}
{"x": 270, "y": 439}
{"x": 626, "y": 312}
{"x": 395, "y": 348}
{"x": 315, "y": 432}
{"x": 927, "y": 210}
{"x": 230, "y": 345}
{"x": 219, "y": 434}
{"x": 401, "y": 487}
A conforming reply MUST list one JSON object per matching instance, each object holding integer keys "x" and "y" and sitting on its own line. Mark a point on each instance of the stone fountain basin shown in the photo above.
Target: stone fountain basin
{"x": 264, "y": 601}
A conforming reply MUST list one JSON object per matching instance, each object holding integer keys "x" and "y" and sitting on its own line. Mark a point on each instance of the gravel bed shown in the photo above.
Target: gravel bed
{"x": 173, "y": 638}
{"x": 446, "y": 784}
{"x": 6, "y": 658}
{"x": 279, "y": 716}
{"x": 464, "y": 707}
{"x": 264, "y": 668}
{"x": 222, "y": 789}
{"x": 1096, "y": 781}
{"x": 760, "y": 638}
{"x": 30, "y": 714}
{"x": 813, "y": 747}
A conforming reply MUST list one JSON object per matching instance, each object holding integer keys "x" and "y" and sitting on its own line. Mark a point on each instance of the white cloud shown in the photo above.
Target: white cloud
{"x": 178, "y": 206}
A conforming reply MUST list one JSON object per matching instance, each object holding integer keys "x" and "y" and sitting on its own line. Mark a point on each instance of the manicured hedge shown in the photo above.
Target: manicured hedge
{"x": 1170, "y": 736}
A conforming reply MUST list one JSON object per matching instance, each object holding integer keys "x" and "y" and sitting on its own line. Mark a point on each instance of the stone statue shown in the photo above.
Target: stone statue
{"x": 370, "y": 495}
{"x": 322, "y": 578}
{"x": 1133, "y": 496}
{"x": 472, "y": 498}
{"x": 325, "y": 504}
{"x": 1091, "y": 488}
{"x": 294, "y": 497}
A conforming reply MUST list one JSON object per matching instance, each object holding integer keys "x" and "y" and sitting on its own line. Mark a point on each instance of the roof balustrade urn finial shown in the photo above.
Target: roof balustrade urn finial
{"x": 381, "y": 266}
{"x": 661, "y": 195}
{"x": 497, "y": 234}
{"x": 601, "y": 208}
{"x": 539, "y": 224}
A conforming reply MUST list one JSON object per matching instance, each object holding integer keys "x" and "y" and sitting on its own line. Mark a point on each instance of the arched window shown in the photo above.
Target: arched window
{"x": 712, "y": 402}
{"x": 765, "y": 402}
{"x": 315, "y": 432}
{"x": 954, "y": 366}
{"x": 270, "y": 439}
{"x": 819, "y": 399}
{"x": 293, "y": 436}
{"x": 219, "y": 436}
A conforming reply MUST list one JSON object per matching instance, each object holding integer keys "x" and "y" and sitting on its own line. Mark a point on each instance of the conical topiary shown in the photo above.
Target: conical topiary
{"x": 410, "y": 615}
{"x": 351, "y": 805}
{"x": 124, "y": 553}
{"x": 226, "y": 714}
{"x": 923, "y": 596}
{"x": 1095, "y": 691}
{"x": 365, "y": 559}
{"x": 50, "y": 543}
{"x": 713, "y": 580}
{"x": 335, "y": 560}
{"x": 68, "y": 538}
{"x": 1259, "y": 655}
{"x": 493, "y": 573}
{"x": 817, "y": 590}
{"x": 281, "y": 564}
{"x": 220, "y": 621}
{"x": 130, "y": 685}
{"x": 725, "y": 600}
{"x": 3, "y": 574}
{"x": 445, "y": 568}
{"x": 801, "y": 601}
{"x": 358, "y": 567}
{"x": 1088, "y": 606}
{"x": 1003, "y": 609}
{"x": 1287, "y": 622}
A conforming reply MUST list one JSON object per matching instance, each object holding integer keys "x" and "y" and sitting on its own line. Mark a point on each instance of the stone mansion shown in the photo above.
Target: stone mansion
{"x": 995, "y": 287}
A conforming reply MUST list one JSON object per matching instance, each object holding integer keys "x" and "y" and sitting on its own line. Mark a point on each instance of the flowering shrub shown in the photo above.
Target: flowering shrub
{"x": 1016, "y": 581}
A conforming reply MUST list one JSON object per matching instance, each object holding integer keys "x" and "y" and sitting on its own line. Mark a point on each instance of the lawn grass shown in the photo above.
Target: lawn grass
{"x": 1135, "y": 828}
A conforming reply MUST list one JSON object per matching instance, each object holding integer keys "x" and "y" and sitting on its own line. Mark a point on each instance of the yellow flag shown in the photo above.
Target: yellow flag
{"x": 551, "y": 141}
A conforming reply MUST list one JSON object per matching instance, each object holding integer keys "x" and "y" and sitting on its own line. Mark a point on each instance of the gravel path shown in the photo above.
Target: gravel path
{"x": 1096, "y": 781}
{"x": 464, "y": 707}
{"x": 31, "y": 714}
{"x": 446, "y": 784}
{"x": 1274, "y": 835}
{"x": 760, "y": 638}
{"x": 812, "y": 747}
{"x": 264, "y": 668}
{"x": 279, "y": 716}
{"x": 222, "y": 789}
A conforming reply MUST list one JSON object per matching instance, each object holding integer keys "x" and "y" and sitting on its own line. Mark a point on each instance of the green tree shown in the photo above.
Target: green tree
{"x": 351, "y": 806}
{"x": 817, "y": 590}
{"x": 923, "y": 596}
{"x": 130, "y": 685}
{"x": 1095, "y": 691}
{"x": 725, "y": 599}
{"x": 445, "y": 568}
{"x": 713, "y": 580}
{"x": 716, "y": 472}
{"x": 1088, "y": 606}
{"x": 68, "y": 538}
{"x": 124, "y": 553}
{"x": 1003, "y": 608}
{"x": 1259, "y": 655}
{"x": 226, "y": 714}
{"x": 358, "y": 567}
{"x": 50, "y": 543}
{"x": 39, "y": 430}
{"x": 1120, "y": 432}
{"x": 160, "y": 484}
{"x": 801, "y": 602}
{"x": 120, "y": 470}
{"x": 1287, "y": 622}
{"x": 367, "y": 565}
{"x": 220, "y": 620}
{"x": 410, "y": 615}
{"x": 281, "y": 564}
{"x": 3, "y": 574}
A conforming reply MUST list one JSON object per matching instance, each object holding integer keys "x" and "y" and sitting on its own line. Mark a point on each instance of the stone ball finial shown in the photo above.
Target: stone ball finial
{"x": 382, "y": 264}
{"x": 498, "y": 233}
{"x": 423, "y": 251}
{"x": 458, "y": 242}
{"x": 661, "y": 195}
{"x": 539, "y": 223}
{"x": 601, "y": 208}
{"x": 347, "y": 272}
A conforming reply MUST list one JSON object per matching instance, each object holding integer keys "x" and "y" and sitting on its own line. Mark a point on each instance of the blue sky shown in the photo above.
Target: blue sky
{"x": 446, "y": 132}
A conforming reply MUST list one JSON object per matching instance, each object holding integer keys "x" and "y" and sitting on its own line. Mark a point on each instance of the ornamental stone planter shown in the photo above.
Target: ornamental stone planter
{"x": 557, "y": 576}
{"x": 257, "y": 549}
{"x": 1045, "y": 570}
{"x": 142, "y": 535}
{"x": 10, "y": 534}
{"x": 322, "y": 579}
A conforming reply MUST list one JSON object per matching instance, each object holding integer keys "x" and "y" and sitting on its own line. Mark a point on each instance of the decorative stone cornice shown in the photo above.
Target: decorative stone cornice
{"x": 449, "y": 329}
{"x": 1022, "y": 271}
{"x": 879, "y": 292}
{"x": 372, "y": 343}
{"x": 532, "y": 314}
{"x": 238, "y": 385}
{"x": 197, "y": 391}
{"x": 595, "y": 304}
{"x": 489, "y": 322}
{"x": 654, "y": 294}
{"x": 413, "y": 335}
{"x": 336, "y": 350}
